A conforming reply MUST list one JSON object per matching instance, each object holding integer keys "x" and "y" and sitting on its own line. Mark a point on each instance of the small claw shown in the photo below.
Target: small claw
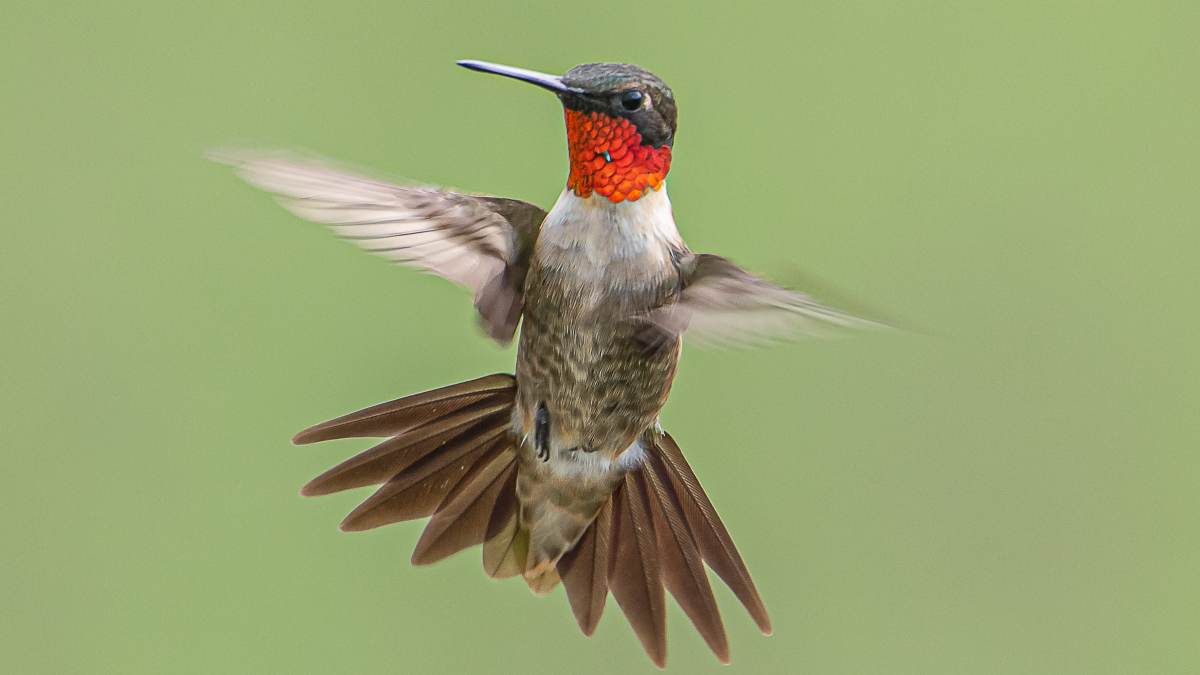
{"x": 541, "y": 432}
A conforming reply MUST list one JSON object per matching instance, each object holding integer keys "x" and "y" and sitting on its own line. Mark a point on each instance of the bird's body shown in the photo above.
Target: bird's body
{"x": 601, "y": 384}
{"x": 562, "y": 471}
{"x": 597, "y": 263}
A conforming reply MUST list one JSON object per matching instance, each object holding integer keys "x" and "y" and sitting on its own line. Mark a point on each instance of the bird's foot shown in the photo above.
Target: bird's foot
{"x": 541, "y": 432}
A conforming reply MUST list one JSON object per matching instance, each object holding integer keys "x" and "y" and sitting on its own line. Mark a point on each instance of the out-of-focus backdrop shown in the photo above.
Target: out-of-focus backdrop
{"x": 1015, "y": 490}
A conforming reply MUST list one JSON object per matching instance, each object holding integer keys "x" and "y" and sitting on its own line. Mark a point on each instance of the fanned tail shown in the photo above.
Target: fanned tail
{"x": 656, "y": 533}
{"x": 450, "y": 454}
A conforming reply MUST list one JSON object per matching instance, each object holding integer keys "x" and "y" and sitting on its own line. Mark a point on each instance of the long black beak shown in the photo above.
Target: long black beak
{"x": 552, "y": 82}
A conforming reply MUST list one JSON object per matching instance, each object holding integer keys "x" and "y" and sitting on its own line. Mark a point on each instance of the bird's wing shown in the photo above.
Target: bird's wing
{"x": 483, "y": 243}
{"x": 721, "y": 304}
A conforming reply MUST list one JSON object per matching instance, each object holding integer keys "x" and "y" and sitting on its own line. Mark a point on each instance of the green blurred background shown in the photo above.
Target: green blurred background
{"x": 1016, "y": 493}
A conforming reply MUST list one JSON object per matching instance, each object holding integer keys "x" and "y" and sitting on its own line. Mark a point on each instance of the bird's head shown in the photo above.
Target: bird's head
{"x": 620, "y": 125}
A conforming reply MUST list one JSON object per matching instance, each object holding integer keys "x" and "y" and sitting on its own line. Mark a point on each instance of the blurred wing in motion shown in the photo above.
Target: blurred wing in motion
{"x": 483, "y": 243}
{"x": 721, "y": 304}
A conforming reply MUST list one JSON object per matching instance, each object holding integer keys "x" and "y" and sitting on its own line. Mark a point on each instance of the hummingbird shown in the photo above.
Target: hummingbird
{"x": 560, "y": 471}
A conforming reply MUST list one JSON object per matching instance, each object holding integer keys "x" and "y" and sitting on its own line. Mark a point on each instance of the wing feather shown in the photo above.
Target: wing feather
{"x": 721, "y": 304}
{"x": 469, "y": 239}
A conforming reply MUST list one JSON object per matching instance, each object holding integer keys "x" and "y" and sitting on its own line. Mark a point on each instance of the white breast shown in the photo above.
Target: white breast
{"x": 598, "y": 240}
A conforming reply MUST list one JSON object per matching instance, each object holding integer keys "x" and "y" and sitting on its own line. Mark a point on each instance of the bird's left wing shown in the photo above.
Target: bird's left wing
{"x": 721, "y": 304}
{"x": 481, "y": 242}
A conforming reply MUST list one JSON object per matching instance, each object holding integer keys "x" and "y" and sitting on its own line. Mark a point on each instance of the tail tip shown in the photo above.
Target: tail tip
{"x": 353, "y": 524}
{"x": 303, "y": 438}
{"x": 312, "y": 489}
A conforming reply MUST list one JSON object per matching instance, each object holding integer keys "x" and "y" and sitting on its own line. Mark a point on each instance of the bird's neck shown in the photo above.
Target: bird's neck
{"x": 592, "y": 237}
{"x": 609, "y": 159}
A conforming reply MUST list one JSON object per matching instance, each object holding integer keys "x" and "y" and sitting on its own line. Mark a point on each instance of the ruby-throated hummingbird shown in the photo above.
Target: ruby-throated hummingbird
{"x": 561, "y": 472}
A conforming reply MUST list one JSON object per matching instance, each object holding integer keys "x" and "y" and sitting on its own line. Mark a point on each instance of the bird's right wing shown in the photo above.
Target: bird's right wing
{"x": 481, "y": 242}
{"x": 721, "y": 304}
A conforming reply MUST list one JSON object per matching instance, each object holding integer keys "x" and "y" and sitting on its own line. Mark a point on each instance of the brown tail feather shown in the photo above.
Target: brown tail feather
{"x": 395, "y": 455}
{"x": 715, "y": 543}
{"x": 462, "y": 519}
{"x": 451, "y": 454}
{"x": 506, "y": 548}
{"x": 584, "y": 571}
{"x": 682, "y": 565}
{"x": 658, "y": 528}
{"x": 395, "y": 417}
{"x": 420, "y": 489}
{"x": 633, "y": 569}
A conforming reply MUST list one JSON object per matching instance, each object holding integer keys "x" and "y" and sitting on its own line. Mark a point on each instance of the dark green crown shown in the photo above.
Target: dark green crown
{"x": 605, "y": 88}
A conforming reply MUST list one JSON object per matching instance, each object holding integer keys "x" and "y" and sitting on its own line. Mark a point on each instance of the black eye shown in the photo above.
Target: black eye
{"x": 631, "y": 100}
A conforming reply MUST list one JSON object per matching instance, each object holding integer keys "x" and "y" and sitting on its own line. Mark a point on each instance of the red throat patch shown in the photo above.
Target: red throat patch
{"x": 608, "y": 158}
